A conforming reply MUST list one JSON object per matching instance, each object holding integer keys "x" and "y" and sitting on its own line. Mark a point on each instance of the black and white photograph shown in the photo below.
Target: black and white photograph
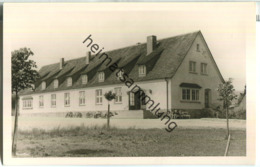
{"x": 129, "y": 83}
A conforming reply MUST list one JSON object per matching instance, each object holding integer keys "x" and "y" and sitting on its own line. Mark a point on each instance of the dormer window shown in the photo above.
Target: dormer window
{"x": 69, "y": 81}
{"x": 43, "y": 85}
{"x": 84, "y": 79}
{"x": 33, "y": 87}
{"x": 101, "y": 77}
{"x": 56, "y": 84}
{"x": 142, "y": 70}
{"x": 120, "y": 74}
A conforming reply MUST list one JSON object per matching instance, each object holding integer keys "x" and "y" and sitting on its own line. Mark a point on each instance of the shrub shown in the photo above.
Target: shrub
{"x": 77, "y": 115}
{"x": 69, "y": 115}
{"x": 110, "y": 114}
{"x": 89, "y": 115}
{"x": 97, "y": 114}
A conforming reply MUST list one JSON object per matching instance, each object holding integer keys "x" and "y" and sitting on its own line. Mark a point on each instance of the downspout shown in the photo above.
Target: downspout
{"x": 167, "y": 103}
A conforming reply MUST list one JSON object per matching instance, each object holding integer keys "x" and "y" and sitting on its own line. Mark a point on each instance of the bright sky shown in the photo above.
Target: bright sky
{"x": 53, "y": 31}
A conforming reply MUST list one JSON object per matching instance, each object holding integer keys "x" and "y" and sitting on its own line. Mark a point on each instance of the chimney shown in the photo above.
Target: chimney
{"x": 88, "y": 57}
{"x": 61, "y": 63}
{"x": 151, "y": 44}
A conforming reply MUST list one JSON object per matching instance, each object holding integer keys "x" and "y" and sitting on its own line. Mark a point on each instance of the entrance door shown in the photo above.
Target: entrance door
{"x": 207, "y": 98}
{"x": 134, "y": 101}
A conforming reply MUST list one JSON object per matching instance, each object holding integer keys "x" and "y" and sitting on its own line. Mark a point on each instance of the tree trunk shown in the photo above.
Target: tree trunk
{"x": 108, "y": 116}
{"x": 227, "y": 121}
{"x": 15, "y": 125}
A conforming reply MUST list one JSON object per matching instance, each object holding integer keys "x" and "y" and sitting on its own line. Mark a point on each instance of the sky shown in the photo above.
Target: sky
{"x": 53, "y": 31}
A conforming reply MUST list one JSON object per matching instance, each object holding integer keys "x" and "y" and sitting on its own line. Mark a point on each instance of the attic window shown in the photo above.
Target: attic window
{"x": 120, "y": 74}
{"x": 69, "y": 81}
{"x": 56, "y": 84}
{"x": 43, "y": 85}
{"x": 101, "y": 77}
{"x": 198, "y": 47}
{"x": 84, "y": 79}
{"x": 142, "y": 70}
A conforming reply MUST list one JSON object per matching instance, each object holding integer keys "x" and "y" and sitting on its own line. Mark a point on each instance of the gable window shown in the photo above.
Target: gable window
{"x": 84, "y": 79}
{"x": 189, "y": 94}
{"x": 118, "y": 93}
{"x": 67, "y": 99}
{"x": 69, "y": 81}
{"x": 56, "y": 84}
{"x": 101, "y": 77}
{"x": 192, "y": 66}
{"x": 203, "y": 68}
{"x": 142, "y": 70}
{"x": 43, "y": 85}
{"x": 99, "y": 96}
{"x": 82, "y": 98}
{"x": 41, "y": 101}
{"x": 27, "y": 103}
{"x": 53, "y": 100}
{"x": 198, "y": 47}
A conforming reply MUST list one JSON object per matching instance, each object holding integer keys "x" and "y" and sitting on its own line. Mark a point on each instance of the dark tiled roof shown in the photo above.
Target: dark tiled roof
{"x": 145, "y": 59}
{"x": 169, "y": 54}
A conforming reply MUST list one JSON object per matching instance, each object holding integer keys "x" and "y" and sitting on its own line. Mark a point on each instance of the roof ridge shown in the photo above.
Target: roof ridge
{"x": 125, "y": 47}
{"x": 157, "y": 40}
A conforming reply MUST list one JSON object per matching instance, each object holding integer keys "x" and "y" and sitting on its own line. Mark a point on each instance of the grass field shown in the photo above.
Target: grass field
{"x": 96, "y": 141}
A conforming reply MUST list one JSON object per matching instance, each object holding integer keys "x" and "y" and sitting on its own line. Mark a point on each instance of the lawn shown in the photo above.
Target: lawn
{"x": 96, "y": 141}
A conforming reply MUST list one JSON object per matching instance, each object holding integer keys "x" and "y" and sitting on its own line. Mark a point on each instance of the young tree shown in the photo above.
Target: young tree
{"x": 24, "y": 74}
{"x": 109, "y": 96}
{"x": 227, "y": 95}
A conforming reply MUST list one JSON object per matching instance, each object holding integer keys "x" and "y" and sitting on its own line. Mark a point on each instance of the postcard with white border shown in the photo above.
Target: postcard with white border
{"x": 129, "y": 83}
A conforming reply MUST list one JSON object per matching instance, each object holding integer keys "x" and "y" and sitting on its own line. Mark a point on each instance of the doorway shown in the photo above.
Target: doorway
{"x": 207, "y": 98}
{"x": 134, "y": 101}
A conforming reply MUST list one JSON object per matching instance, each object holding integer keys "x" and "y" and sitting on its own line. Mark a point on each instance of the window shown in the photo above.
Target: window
{"x": 67, "y": 99}
{"x": 192, "y": 66}
{"x": 82, "y": 98}
{"x": 33, "y": 86}
{"x": 101, "y": 77}
{"x": 118, "y": 93}
{"x": 27, "y": 104}
{"x": 99, "y": 96}
{"x": 132, "y": 99}
{"x": 84, "y": 79}
{"x": 69, "y": 81}
{"x": 190, "y": 94}
{"x": 203, "y": 68}
{"x": 120, "y": 74}
{"x": 142, "y": 70}
{"x": 56, "y": 83}
{"x": 53, "y": 100}
{"x": 198, "y": 47}
{"x": 43, "y": 85}
{"x": 185, "y": 94}
{"x": 41, "y": 101}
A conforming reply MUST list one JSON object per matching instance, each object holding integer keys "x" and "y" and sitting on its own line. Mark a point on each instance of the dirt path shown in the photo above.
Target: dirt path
{"x": 28, "y": 123}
